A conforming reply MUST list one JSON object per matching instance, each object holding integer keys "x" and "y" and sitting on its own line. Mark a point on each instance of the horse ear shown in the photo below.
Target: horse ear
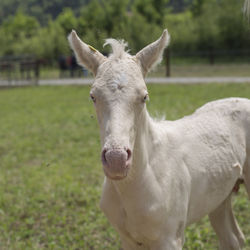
{"x": 86, "y": 55}
{"x": 151, "y": 55}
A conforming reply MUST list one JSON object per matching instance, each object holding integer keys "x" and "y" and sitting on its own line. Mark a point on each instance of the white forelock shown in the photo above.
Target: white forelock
{"x": 118, "y": 47}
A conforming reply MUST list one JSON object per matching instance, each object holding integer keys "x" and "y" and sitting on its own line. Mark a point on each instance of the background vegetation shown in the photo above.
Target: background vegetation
{"x": 51, "y": 175}
{"x": 41, "y": 28}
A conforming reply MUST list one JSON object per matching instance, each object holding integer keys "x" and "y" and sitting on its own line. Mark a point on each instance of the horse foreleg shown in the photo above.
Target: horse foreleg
{"x": 226, "y": 227}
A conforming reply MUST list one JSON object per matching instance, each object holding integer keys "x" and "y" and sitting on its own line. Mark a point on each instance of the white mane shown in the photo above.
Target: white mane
{"x": 118, "y": 47}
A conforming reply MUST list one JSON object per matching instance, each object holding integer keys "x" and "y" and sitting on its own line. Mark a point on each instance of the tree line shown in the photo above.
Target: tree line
{"x": 202, "y": 25}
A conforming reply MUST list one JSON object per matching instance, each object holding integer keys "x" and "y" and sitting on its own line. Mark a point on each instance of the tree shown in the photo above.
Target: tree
{"x": 101, "y": 19}
{"x": 183, "y": 31}
{"x": 49, "y": 43}
{"x": 20, "y": 25}
{"x": 207, "y": 26}
{"x": 234, "y": 33}
{"x": 15, "y": 30}
{"x": 196, "y": 7}
{"x": 140, "y": 32}
{"x": 42, "y": 10}
{"x": 67, "y": 20}
{"x": 152, "y": 10}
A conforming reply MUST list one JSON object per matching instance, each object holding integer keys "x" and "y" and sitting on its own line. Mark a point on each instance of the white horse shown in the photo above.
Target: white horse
{"x": 161, "y": 176}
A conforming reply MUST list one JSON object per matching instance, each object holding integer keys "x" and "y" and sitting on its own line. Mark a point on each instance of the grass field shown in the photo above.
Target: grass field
{"x": 50, "y": 171}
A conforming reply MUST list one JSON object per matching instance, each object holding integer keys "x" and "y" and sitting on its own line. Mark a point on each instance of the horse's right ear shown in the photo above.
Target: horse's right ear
{"x": 151, "y": 55}
{"x": 86, "y": 55}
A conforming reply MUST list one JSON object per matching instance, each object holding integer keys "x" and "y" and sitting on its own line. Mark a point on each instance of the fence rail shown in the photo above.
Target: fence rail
{"x": 23, "y": 70}
{"x": 211, "y": 56}
{"x": 19, "y": 69}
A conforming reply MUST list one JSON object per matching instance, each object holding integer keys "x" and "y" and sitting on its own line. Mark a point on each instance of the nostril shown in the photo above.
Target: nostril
{"x": 129, "y": 153}
{"x": 104, "y": 160}
{"x": 116, "y": 157}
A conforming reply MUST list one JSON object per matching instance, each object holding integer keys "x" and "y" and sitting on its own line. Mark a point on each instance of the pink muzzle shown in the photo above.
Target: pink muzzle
{"x": 116, "y": 162}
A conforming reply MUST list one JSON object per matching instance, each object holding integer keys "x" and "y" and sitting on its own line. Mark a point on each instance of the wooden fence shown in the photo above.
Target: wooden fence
{"x": 210, "y": 56}
{"x": 23, "y": 69}
{"x": 26, "y": 69}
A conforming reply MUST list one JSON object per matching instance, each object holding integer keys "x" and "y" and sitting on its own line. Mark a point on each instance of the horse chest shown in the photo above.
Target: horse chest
{"x": 140, "y": 217}
{"x": 143, "y": 225}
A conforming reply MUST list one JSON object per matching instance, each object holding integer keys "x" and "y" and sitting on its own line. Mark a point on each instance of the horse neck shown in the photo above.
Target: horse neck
{"x": 144, "y": 141}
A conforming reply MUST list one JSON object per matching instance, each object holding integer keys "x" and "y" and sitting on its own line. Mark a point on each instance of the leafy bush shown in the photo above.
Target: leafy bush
{"x": 207, "y": 25}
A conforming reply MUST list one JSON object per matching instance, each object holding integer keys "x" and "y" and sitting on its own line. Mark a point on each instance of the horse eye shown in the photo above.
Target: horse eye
{"x": 92, "y": 98}
{"x": 145, "y": 98}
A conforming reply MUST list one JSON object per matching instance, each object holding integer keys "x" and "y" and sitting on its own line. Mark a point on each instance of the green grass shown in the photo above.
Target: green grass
{"x": 50, "y": 171}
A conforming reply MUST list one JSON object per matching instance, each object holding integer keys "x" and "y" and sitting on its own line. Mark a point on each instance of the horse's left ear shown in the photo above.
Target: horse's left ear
{"x": 86, "y": 55}
{"x": 152, "y": 54}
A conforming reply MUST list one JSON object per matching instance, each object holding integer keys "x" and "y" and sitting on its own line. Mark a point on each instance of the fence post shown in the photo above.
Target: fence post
{"x": 167, "y": 62}
{"x": 37, "y": 71}
{"x": 211, "y": 56}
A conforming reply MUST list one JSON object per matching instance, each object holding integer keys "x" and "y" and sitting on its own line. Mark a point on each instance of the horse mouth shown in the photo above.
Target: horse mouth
{"x": 115, "y": 177}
